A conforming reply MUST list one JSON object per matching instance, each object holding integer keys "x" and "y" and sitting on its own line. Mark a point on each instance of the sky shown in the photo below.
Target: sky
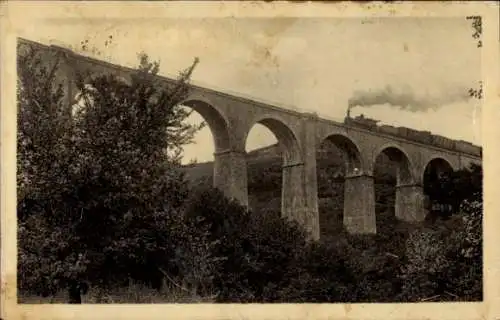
{"x": 412, "y": 72}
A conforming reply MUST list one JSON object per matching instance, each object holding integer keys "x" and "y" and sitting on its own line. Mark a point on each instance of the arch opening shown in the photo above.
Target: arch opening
{"x": 337, "y": 157}
{"x": 198, "y": 156}
{"x": 270, "y": 145}
{"x": 284, "y": 137}
{"x": 437, "y": 185}
{"x": 217, "y": 125}
{"x": 391, "y": 168}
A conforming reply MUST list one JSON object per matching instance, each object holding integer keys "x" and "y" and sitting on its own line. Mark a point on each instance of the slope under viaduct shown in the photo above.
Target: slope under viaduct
{"x": 231, "y": 117}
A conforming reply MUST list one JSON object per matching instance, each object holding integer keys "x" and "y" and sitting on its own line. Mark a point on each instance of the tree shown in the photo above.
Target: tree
{"x": 44, "y": 154}
{"x": 452, "y": 188}
{"x": 447, "y": 262}
{"x": 99, "y": 193}
{"x": 466, "y": 274}
{"x": 43, "y": 136}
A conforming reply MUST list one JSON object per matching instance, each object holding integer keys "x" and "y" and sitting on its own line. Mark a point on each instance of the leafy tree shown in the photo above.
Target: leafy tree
{"x": 453, "y": 188}
{"x": 465, "y": 277}
{"x": 446, "y": 262}
{"x": 467, "y": 184}
{"x": 44, "y": 135}
{"x": 44, "y": 156}
{"x": 99, "y": 192}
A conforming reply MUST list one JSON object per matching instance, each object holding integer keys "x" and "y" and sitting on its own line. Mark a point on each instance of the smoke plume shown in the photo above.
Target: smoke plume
{"x": 408, "y": 99}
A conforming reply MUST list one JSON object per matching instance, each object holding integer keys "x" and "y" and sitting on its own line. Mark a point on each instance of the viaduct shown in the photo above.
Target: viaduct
{"x": 230, "y": 118}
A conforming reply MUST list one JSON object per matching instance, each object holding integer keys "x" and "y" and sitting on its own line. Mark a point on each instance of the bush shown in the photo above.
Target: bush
{"x": 257, "y": 252}
{"x": 426, "y": 261}
{"x": 446, "y": 261}
{"x": 466, "y": 251}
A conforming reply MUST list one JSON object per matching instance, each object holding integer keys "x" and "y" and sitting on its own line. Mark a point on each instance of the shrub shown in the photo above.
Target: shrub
{"x": 324, "y": 274}
{"x": 257, "y": 252}
{"x": 444, "y": 261}
{"x": 426, "y": 260}
{"x": 465, "y": 277}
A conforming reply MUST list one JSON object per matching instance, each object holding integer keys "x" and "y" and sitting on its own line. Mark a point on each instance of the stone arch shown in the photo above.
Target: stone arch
{"x": 405, "y": 168}
{"x": 441, "y": 163}
{"x": 353, "y": 161}
{"x": 435, "y": 190}
{"x": 355, "y": 191}
{"x": 292, "y": 169}
{"x": 214, "y": 119}
{"x": 393, "y": 199}
{"x": 287, "y": 139}
{"x": 229, "y": 166}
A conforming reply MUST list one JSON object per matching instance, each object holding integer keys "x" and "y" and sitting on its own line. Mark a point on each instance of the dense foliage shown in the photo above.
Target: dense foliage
{"x": 102, "y": 201}
{"x": 99, "y": 190}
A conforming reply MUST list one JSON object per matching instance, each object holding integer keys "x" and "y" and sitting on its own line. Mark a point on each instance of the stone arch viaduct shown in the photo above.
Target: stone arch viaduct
{"x": 231, "y": 118}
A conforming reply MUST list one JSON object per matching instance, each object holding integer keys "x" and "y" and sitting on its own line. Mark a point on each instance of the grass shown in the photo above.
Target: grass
{"x": 133, "y": 293}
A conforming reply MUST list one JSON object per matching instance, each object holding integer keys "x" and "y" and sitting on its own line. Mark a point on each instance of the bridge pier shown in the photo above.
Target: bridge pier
{"x": 309, "y": 148}
{"x": 230, "y": 175}
{"x": 410, "y": 203}
{"x": 292, "y": 194}
{"x": 359, "y": 205}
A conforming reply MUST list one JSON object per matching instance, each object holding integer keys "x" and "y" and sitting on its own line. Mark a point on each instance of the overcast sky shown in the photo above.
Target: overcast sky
{"x": 411, "y": 72}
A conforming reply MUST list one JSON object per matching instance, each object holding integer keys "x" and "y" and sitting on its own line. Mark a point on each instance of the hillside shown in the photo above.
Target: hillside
{"x": 264, "y": 184}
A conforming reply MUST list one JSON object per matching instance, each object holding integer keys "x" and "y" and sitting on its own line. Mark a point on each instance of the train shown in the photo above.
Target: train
{"x": 361, "y": 121}
{"x": 425, "y": 137}
{"x": 467, "y": 147}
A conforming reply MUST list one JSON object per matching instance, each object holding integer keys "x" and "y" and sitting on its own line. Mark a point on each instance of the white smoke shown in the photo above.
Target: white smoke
{"x": 408, "y": 99}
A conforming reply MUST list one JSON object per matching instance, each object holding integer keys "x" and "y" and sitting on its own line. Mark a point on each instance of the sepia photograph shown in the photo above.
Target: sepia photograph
{"x": 249, "y": 159}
